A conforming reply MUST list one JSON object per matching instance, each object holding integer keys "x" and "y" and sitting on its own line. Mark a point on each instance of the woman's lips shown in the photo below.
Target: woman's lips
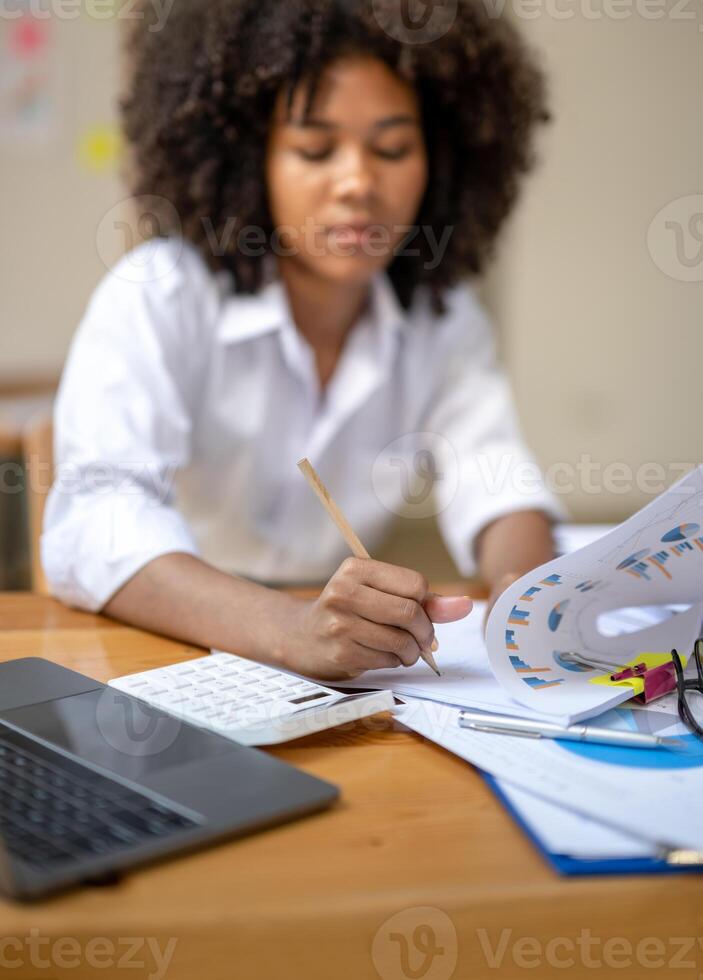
{"x": 351, "y": 235}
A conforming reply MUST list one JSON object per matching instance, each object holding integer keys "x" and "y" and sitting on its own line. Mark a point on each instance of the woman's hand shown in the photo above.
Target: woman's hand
{"x": 509, "y": 547}
{"x": 497, "y": 591}
{"x": 370, "y": 616}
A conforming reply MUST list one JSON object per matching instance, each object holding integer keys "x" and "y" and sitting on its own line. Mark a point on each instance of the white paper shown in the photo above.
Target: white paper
{"x": 561, "y": 831}
{"x": 661, "y": 805}
{"x": 572, "y": 537}
{"x": 654, "y": 558}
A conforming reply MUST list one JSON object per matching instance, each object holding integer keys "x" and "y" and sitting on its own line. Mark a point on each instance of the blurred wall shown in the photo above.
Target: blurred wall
{"x": 54, "y": 191}
{"x": 598, "y": 293}
{"x": 601, "y": 343}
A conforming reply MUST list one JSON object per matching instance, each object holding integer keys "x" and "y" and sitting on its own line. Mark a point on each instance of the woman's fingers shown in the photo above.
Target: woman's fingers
{"x": 388, "y": 640}
{"x": 357, "y": 660}
{"x": 386, "y": 610}
{"x": 365, "y": 659}
{"x": 392, "y": 611}
{"x": 391, "y": 579}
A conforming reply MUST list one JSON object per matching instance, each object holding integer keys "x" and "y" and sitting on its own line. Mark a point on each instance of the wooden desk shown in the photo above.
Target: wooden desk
{"x": 417, "y": 836}
{"x": 19, "y": 404}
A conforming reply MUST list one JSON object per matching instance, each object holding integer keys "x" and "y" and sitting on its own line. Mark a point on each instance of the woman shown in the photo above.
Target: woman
{"x": 321, "y": 192}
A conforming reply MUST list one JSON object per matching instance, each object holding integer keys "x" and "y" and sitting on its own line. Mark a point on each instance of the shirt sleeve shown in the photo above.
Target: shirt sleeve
{"x": 488, "y": 470}
{"x": 123, "y": 425}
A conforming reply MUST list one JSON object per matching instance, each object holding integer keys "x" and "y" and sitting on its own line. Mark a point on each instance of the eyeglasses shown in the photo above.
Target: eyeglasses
{"x": 684, "y": 685}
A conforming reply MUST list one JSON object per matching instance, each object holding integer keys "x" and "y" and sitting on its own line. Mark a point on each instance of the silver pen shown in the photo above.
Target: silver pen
{"x": 480, "y": 721}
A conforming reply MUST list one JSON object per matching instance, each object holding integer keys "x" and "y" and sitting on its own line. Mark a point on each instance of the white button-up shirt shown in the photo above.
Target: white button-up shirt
{"x": 184, "y": 408}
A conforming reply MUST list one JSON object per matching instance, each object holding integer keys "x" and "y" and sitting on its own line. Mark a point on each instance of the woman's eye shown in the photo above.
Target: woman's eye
{"x": 398, "y": 153}
{"x": 316, "y": 155}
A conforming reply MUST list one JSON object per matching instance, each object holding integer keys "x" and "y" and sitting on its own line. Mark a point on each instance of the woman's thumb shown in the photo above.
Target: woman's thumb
{"x": 447, "y": 608}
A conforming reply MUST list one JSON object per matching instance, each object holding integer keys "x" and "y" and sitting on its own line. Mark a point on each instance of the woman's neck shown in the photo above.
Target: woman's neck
{"x": 324, "y": 312}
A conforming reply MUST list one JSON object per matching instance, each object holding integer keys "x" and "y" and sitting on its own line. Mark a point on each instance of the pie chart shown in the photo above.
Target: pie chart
{"x": 681, "y": 532}
{"x": 556, "y": 615}
{"x": 688, "y": 756}
{"x": 633, "y": 559}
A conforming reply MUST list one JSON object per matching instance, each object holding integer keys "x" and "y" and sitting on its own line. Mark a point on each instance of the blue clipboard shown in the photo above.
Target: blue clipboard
{"x": 565, "y": 864}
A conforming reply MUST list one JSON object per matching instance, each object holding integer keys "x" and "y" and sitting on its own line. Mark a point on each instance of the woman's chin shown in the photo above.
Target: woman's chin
{"x": 348, "y": 270}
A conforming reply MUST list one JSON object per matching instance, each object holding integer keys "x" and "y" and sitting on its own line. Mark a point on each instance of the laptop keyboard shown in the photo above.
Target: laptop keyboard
{"x": 53, "y": 810}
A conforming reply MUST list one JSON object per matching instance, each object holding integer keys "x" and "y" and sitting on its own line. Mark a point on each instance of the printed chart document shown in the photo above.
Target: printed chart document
{"x": 654, "y": 558}
{"x": 650, "y": 795}
{"x": 636, "y": 589}
{"x": 565, "y": 832}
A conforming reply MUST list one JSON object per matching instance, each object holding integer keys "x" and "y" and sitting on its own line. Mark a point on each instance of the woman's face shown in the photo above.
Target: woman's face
{"x": 345, "y": 185}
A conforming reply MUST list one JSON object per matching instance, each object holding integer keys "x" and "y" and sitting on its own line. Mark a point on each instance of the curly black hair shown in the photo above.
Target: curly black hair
{"x": 202, "y": 91}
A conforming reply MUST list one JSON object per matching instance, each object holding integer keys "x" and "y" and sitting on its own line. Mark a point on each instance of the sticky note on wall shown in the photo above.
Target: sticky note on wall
{"x": 27, "y": 37}
{"x": 100, "y": 148}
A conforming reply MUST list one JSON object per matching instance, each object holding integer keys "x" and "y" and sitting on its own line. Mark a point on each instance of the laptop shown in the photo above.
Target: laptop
{"x": 94, "y": 782}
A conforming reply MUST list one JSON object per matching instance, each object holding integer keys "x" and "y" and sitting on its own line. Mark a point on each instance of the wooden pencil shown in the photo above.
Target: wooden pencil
{"x": 347, "y": 532}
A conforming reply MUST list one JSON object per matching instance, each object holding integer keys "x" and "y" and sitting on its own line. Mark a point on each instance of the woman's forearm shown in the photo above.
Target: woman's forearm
{"x": 369, "y": 616}
{"x": 182, "y": 597}
{"x": 513, "y": 545}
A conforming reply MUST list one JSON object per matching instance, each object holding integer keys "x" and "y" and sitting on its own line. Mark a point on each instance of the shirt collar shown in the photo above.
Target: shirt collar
{"x": 247, "y": 317}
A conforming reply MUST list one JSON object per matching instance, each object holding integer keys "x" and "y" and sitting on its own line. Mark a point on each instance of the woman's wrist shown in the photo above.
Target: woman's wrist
{"x": 281, "y": 624}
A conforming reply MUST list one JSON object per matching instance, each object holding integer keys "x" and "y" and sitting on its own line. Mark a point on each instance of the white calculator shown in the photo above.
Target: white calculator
{"x": 247, "y": 701}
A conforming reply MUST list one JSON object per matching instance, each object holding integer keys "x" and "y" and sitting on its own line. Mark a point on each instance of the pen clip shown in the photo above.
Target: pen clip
{"x": 636, "y": 670}
{"x": 681, "y": 857}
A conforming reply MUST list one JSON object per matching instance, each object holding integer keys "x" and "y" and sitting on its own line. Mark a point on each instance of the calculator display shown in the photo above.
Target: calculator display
{"x": 309, "y": 697}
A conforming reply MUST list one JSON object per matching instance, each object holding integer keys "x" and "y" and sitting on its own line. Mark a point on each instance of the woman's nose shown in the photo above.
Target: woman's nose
{"x": 355, "y": 180}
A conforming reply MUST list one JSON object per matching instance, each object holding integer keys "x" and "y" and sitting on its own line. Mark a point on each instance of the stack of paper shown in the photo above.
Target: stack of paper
{"x": 651, "y": 796}
{"x": 654, "y": 558}
{"x": 636, "y": 588}
{"x": 606, "y": 789}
